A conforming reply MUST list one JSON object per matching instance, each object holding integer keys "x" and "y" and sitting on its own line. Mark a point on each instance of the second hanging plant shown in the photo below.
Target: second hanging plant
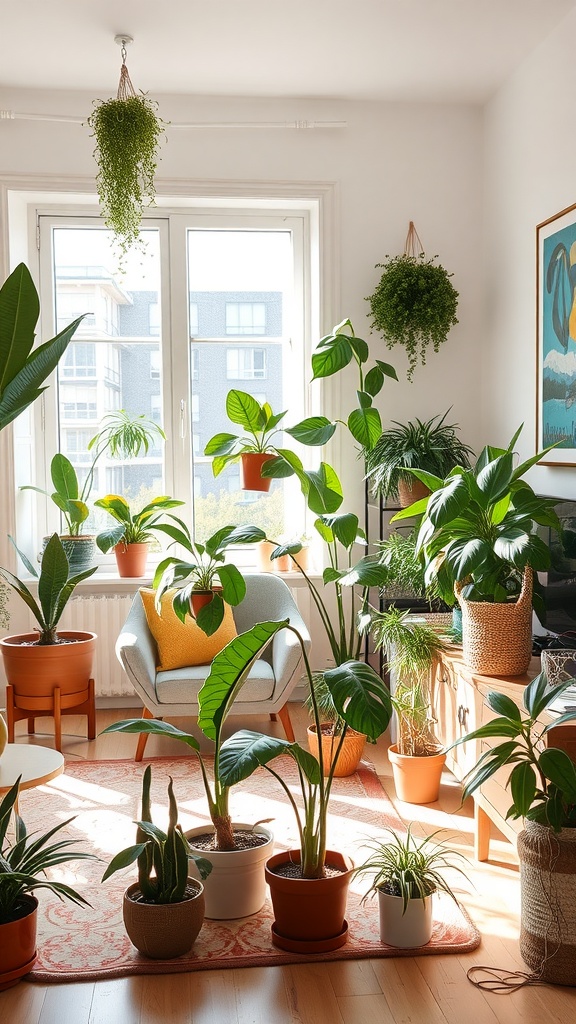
{"x": 414, "y": 303}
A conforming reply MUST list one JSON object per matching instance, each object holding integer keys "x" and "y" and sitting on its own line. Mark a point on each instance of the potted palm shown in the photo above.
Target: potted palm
{"x": 416, "y": 757}
{"x": 309, "y": 900}
{"x": 49, "y": 670}
{"x": 406, "y": 872}
{"x": 163, "y": 911}
{"x": 204, "y": 582}
{"x": 123, "y": 436}
{"x": 432, "y": 445}
{"x": 130, "y": 538}
{"x": 542, "y": 784}
{"x": 23, "y": 864}
{"x": 478, "y": 538}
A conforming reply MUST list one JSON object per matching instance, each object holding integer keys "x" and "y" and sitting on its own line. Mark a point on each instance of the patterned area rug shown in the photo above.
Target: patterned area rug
{"x": 75, "y": 942}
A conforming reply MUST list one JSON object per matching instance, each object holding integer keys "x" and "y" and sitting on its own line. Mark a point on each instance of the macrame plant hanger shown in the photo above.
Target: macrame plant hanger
{"x": 413, "y": 244}
{"x": 125, "y": 87}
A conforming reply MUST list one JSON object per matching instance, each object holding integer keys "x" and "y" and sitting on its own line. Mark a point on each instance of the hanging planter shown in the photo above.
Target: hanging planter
{"x": 127, "y": 131}
{"x": 414, "y": 303}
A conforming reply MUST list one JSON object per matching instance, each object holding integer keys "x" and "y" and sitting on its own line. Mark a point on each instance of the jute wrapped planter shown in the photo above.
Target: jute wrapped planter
{"x": 497, "y": 638}
{"x": 548, "y": 895}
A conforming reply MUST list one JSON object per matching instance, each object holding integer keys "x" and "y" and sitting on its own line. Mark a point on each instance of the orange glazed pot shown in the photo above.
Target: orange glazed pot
{"x": 309, "y": 913}
{"x": 131, "y": 559}
{"x": 416, "y": 779}
{"x": 350, "y": 754}
{"x": 34, "y": 671}
{"x": 251, "y": 478}
{"x": 18, "y": 944}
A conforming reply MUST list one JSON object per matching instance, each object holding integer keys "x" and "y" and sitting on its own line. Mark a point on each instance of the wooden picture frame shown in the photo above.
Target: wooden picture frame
{"x": 556, "y": 337}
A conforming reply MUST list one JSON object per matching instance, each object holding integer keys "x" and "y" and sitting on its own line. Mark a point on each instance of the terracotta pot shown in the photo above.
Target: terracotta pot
{"x": 350, "y": 754}
{"x": 131, "y": 559}
{"x": 35, "y": 671}
{"x": 263, "y": 551}
{"x": 548, "y": 905}
{"x": 200, "y": 598}
{"x": 251, "y": 478}
{"x": 408, "y": 493}
{"x": 404, "y": 929}
{"x": 18, "y": 945}
{"x": 417, "y": 779}
{"x": 236, "y": 886}
{"x": 163, "y": 931}
{"x": 309, "y": 913}
{"x": 282, "y": 564}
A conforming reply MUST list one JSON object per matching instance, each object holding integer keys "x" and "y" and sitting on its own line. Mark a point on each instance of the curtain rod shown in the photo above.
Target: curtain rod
{"x": 11, "y": 115}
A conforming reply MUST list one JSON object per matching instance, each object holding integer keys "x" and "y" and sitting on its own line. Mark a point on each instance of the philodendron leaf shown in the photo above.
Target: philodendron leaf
{"x": 155, "y": 728}
{"x": 243, "y": 409}
{"x": 209, "y": 618}
{"x": 335, "y": 353}
{"x": 306, "y": 761}
{"x": 244, "y": 752}
{"x": 560, "y": 770}
{"x": 323, "y": 489}
{"x": 365, "y": 426}
{"x": 315, "y": 430}
{"x": 523, "y": 787}
{"x": 360, "y": 697}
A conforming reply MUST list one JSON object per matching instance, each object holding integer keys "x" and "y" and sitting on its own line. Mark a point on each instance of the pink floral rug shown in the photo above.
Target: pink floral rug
{"x": 76, "y": 942}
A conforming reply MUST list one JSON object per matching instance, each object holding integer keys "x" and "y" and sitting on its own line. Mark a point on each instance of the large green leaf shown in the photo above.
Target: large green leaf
{"x": 523, "y": 787}
{"x": 344, "y": 527}
{"x": 228, "y": 674}
{"x": 494, "y": 480}
{"x": 446, "y": 504}
{"x": 333, "y": 355}
{"x": 209, "y": 618}
{"x": 497, "y": 727}
{"x": 504, "y": 706}
{"x": 108, "y": 539}
{"x": 242, "y": 535}
{"x": 233, "y": 584}
{"x": 315, "y": 430}
{"x": 221, "y": 444}
{"x": 360, "y": 697}
{"x": 465, "y": 556}
{"x": 54, "y": 572}
{"x": 19, "y": 311}
{"x": 64, "y": 477}
{"x": 323, "y": 489}
{"x": 365, "y": 426}
{"x": 368, "y": 572}
{"x": 26, "y": 385}
{"x": 243, "y": 409}
{"x": 154, "y": 727}
{"x": 559, "y": 768}
{"x": 245, "y": 751}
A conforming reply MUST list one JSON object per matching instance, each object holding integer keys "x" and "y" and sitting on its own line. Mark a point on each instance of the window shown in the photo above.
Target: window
{"x": 215, "y": 278}
{"x": 245, "y": 318}
{"x": 246, "y": 363}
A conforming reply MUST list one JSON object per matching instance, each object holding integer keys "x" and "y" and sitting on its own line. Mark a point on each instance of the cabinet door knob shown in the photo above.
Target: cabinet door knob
{"x": 462, "y": 714}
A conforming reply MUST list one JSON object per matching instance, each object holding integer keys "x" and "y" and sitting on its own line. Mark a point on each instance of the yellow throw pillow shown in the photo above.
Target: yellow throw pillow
{"x": 183, "y": 643}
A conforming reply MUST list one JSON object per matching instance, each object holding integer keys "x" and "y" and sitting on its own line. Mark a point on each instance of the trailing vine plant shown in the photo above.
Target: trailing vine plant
{"x": 127, "y": 131}
{"x": 414, "y": 303}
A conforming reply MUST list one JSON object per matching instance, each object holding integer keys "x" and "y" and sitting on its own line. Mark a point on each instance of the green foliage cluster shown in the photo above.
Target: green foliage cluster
{"x": 127, "y": 133}
{"x": 162, "y": 856}
{"x": 543, "y": 779}
{"x": 23, "y": 863}
{"x": 409, "y": 867}
{"x": 134, "y": 527}
{"x": 414, "y": 305}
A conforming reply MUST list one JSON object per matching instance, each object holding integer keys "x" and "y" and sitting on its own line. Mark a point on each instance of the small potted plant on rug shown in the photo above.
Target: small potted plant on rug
{"x": 332, "y": 726}
{"x": 22, "y": 870}
{"x": 308, "y": 886}
{"x": 478, "y": 538}
{"x": 130, "y": 539}
{"x": 205, "y": 582}
{"x": 542, "y": 784}
{"x": 433, "y": 446}
{"x": 414, "y": 303}
{"x": 406, "y": 873}
{"x": 50, "y": 662}
{"x": 164, "y": 910}
{"x": 416, "y": 758}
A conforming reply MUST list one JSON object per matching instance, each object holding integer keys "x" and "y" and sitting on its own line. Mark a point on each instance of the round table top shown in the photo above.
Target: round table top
{"x": 36, "y": 765}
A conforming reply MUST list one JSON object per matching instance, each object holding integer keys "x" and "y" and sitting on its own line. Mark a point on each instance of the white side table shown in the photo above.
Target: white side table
{"x": 36, "y": 765}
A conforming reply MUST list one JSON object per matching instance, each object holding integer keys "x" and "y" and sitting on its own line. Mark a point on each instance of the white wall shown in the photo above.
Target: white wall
{"x": 530, "y": 161}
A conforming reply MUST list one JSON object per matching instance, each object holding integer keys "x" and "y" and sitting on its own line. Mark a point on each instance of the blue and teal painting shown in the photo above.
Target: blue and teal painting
{"x": 559, "y": 339}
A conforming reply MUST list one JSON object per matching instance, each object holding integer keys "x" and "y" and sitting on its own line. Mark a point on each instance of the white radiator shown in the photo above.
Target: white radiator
{"x": 104, "y": 615}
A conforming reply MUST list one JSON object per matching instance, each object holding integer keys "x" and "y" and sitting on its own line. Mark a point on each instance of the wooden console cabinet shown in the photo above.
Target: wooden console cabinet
{"x": 458, "y": 701}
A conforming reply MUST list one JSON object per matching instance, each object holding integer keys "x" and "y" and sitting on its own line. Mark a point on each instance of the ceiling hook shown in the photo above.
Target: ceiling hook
{"x": 123, "y": 40}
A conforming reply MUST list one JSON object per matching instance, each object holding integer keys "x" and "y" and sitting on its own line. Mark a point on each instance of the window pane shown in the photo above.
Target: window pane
{"x": 110, "y": 365}
{"x": 240, "y": 285}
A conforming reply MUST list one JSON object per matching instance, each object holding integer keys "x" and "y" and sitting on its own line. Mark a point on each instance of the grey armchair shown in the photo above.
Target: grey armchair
{"x": 271, "y": 680}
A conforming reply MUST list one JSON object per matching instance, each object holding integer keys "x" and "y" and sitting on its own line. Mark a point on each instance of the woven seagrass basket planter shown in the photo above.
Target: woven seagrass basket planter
{"x": 548, "y": 902}
{"x": 497, "y": 638}
{"x": 163, "y": 931}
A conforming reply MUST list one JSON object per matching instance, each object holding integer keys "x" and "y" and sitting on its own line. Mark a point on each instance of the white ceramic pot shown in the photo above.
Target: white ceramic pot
{"x": 404, "y": 930}
{"x": 236, "y": 886}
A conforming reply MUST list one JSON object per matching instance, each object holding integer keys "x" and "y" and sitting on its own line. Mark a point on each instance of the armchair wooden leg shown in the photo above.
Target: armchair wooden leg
{"x": 143, "y": 738}
{"x": 284, "y": 716}
{"x": 273, "y": 717}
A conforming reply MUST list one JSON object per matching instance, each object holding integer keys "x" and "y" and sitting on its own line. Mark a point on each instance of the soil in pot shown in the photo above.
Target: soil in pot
{"x": 163, "y": 931}
{"x": 350, "y": 754}
{"x": 310, "y": 913}
{"x": 236, "y": 886}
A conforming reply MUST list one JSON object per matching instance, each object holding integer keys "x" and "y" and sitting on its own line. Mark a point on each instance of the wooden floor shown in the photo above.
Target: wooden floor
{"x": 418, "y": 990}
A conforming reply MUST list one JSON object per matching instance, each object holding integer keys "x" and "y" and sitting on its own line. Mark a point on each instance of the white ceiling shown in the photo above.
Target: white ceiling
{"x": 443, "y": 50}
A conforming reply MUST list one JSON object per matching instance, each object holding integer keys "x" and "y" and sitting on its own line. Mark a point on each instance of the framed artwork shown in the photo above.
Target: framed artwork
{"x": 556, "y": 337}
